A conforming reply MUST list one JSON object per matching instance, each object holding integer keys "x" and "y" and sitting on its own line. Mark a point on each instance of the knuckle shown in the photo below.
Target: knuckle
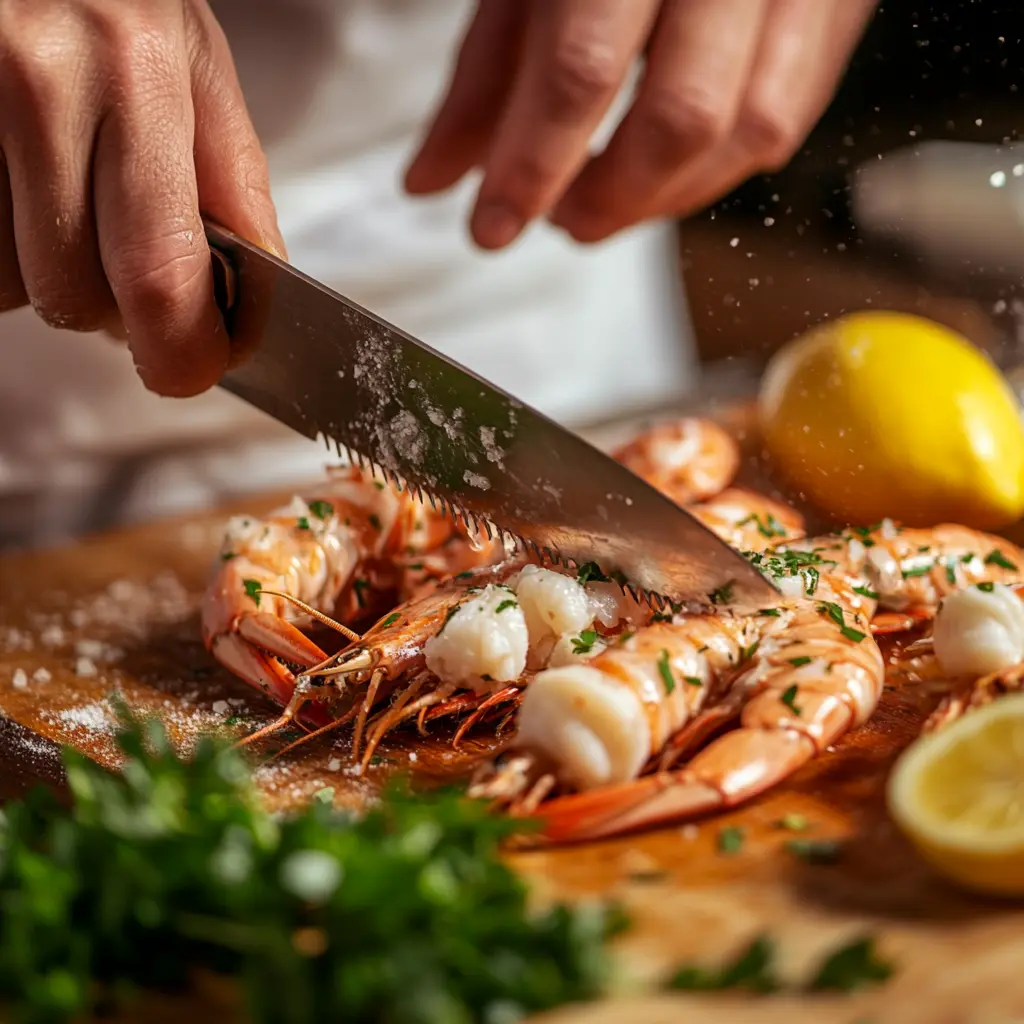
{"x": 677, "y": 122}
{"x": 580, "y": 76}
{"x": 770, "y": 133}
{"x": 155, "y": 280}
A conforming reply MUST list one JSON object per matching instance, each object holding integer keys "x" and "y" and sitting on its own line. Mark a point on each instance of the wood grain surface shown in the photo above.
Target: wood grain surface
{"x": 119, "y": 613}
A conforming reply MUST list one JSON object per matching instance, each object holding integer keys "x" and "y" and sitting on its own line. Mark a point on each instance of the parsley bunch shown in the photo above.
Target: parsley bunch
{"x": 404, "y": 915}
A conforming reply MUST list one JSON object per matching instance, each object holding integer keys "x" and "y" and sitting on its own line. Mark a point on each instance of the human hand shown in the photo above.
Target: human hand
{"x": 121, "y": 119}
{"x": 730, "y": 88}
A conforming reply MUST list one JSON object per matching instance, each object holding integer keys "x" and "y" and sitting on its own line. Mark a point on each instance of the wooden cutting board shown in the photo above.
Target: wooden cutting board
{"x": 119, "y": 613}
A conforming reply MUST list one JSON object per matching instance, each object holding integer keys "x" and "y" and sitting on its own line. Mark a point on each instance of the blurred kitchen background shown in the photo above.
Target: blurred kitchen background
{"x": 784, "y": 251}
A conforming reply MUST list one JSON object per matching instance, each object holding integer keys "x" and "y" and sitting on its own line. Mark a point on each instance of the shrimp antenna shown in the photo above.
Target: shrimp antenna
{"x": 316, "y": 614}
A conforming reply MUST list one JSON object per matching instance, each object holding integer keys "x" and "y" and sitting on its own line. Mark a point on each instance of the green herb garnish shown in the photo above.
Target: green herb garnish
{"x": 588, "y": 572}
{"x": 174, "y": 866}
{"x": 391, "y": 619}
{"x": 723, "y": 594}
{"x": 226, "y": 556}
{"x": 748, "y": 652}
{"x": 769, "y": 528}
{"x": 665, "y": 670}
{"x": 996, "y": 557}
{"x": 772, "y": 613}
{"x": 921, "y": 570}
{"x": 730, "y": 840}
{"x": 851, "y": 967}
{"x": 693, "y": 680}
{"x": 986, "y": 588}
{"x": 867, "y": 592}
{"x": 374, "y": 521}
{"x": 302, "y": 522}
{"x": 360, "y": 587}
{"x": 802, "y": 660}
{"x": 507, "y": 603}
{"x": 752, "y": 969}
{"x": 835, "y": 612}
{"x": 321, "y": 509}
{"x": 816, "y": 851}
{"x": 584, "y": 643}
{"x": 793, "y": 822}
{"x": 789, "y": 699}
{"x": 253, "y": 589}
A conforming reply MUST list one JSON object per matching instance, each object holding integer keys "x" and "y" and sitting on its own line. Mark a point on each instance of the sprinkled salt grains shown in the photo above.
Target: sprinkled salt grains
{"x": 41, "y": 675}
{"x": 52, "y": 636}
{"x": 220, "y": 707}
{"x": 413, "y": 758}
{"x": 85, "y": 668}
{"x": 19, "y": 679}
{"x": 334, "y": 764}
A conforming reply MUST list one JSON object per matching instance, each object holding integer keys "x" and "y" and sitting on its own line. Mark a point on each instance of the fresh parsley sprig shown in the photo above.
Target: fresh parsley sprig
{"x": 405, "y": 914}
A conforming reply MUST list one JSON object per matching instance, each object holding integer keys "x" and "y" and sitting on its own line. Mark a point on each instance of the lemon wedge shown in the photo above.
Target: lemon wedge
{"x": 958, "y": 795}
{"x": 880, "y": 414}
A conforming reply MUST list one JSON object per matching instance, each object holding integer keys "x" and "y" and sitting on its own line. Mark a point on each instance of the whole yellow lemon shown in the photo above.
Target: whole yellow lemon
{"x": 880, "y": 414}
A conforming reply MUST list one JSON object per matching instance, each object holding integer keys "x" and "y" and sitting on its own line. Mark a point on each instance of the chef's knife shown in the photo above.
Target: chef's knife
{"x": 330, "y": 369}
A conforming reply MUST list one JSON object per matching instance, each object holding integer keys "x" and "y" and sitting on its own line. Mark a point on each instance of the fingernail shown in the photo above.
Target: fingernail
{"x": 495, "y": 225}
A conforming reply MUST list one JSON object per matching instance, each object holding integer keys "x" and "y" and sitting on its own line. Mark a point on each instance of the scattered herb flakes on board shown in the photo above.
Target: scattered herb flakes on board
{"x": 406, "y": 915}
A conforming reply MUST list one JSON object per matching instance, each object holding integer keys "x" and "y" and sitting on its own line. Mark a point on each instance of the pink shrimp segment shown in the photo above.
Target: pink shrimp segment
{"x": 688, "y": 459}
{"x": 347, "y": 556}
{"x": 332, "y": 556}
{"x": 794, "y": 678}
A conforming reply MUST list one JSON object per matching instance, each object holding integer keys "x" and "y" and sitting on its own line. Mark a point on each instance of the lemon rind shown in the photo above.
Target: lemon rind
{"x": 941, "y": 833}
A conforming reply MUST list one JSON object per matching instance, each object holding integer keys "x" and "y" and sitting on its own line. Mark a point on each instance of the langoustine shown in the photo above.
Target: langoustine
{"x": 609, "y": 734}
{"x": 472, "y": 643}
{"x": 363, "y": 545}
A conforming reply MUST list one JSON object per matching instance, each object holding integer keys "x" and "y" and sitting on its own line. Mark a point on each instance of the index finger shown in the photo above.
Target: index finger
{"x": 577, "y": 54}
{"x": 152, "y": 241}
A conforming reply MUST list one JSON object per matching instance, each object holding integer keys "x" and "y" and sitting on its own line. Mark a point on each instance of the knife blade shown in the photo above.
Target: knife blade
{"x": 332, "y": 370}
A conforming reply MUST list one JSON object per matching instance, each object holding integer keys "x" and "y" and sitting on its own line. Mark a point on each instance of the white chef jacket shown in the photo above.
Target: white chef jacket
{"x": 340, "y": 91}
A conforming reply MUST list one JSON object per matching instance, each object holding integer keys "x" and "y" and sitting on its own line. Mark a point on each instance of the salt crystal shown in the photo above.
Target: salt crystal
{"x": 41, "y": 675}
{"x": 413, "y": 758}
{"x": 220, "y": 707}
{"x": 89, "y": 649}
{"x": 334, "y": 764}
{"x": 52, "y": 636}
{"x": 78, "y": 618}
{"x": 19, "y": 679}
{"x": 689, "y": 831}
{"x": 86, "y": 668}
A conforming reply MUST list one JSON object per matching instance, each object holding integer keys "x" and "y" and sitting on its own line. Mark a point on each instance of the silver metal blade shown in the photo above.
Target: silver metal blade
{"x": 329, "y": 368}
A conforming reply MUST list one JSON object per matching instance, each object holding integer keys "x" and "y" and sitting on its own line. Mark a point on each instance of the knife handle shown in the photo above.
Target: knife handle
{"x": 225, "y": 284}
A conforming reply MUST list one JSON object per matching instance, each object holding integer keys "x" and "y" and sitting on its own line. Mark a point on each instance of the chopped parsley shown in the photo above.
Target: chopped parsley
{"x": 468, "y": 574}
{"x": 835, "y": 612}
{"x": 378, "y": 485}
{"x": 772, "y": 613}
{"x": 723, "y": 594}
{"x": 778, "y": 565}
{"x": 510, "y": 602}
{"x": 665, "y": 670}
{"x": 374, "y": 521}
{"x": 325, "y": 795}
{"x": 816, "y": 851}
{"x": 730, "y": 840}
{"x": 769, "y": 528}
{"x": 920, "y": 570}
{"x": 986, "y": 588}
{"x": 360, "y": 587}
{"x": 996, "y": 557}
{"x": 694, "y": 680}
{"x": 789, "y": 699}
{"x": 321, "y": 509}
{"x": 951, "y": 571}
{"x": 253, "y": 589}
{"x": 793, "y": 822}
{"x": 802, "y": 660}
{"x": 748, "y": 652}
{"x": 391, "y": 619}
{"x": 753, "y": 969}
{"x": 302, "y": 522}
{"x": 588, "y": 572}
{"x": 661, "y": 617}
{"x": 851, "y": 967}
{"x": 584, "y": 643}
{"x": 226, "y": 556}
{"x": 867, "y": 592}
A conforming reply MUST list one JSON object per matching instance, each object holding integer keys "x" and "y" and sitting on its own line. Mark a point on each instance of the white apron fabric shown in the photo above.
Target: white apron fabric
{"x": 339, "y": 91}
